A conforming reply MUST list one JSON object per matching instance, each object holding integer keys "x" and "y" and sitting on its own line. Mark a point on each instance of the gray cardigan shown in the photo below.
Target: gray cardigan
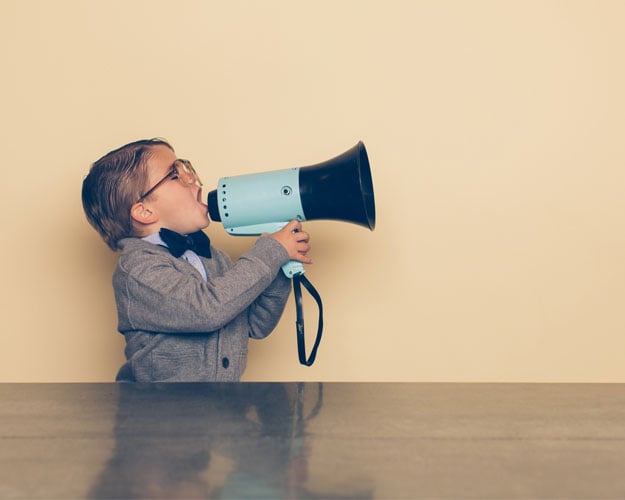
{"x": 179, "y": 327}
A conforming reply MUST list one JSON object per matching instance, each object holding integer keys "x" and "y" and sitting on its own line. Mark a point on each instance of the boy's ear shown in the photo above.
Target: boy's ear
{"x": 142, "y": 214}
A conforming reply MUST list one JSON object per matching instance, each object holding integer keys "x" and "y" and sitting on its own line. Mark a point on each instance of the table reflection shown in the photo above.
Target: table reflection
{"x": 210, "y": 441}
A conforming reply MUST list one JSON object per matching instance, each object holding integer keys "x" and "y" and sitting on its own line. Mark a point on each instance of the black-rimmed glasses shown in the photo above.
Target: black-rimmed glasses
{"x": 181, "y": 170}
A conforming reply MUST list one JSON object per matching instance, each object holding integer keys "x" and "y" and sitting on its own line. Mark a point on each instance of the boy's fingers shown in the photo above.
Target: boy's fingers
{"x": 294, "y": 225}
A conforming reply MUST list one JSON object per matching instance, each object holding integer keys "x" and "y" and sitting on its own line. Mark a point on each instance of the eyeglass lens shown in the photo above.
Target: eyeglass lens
{"x": 186, "y": 172}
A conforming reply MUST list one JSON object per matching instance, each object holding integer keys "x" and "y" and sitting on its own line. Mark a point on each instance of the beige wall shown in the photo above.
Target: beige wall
{"x": 495, "y": 130}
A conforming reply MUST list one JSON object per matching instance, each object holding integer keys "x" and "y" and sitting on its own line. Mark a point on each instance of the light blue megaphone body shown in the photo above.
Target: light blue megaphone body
{"x": 261, "y": 203}
{"x": 338, "y": 189}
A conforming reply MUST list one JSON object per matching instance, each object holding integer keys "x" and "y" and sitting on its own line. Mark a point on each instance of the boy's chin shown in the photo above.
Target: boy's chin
{"x": 204, "y": 224}
{"x": 192, "y": 228}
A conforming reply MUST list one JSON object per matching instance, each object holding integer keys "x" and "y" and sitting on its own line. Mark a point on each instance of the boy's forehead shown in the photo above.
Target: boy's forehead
{"x": 160, "y": 160}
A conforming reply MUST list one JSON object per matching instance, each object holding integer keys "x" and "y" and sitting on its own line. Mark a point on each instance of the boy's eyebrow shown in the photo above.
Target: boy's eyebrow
{"x": 171, "y": 169}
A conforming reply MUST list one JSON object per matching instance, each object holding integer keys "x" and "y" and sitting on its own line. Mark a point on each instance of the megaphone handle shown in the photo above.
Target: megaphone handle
{"x": 301, "y": 341}
{"x": 292, "y": 268}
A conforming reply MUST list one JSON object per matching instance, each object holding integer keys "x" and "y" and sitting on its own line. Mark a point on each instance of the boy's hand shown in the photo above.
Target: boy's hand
{"x": 294, "y": 240}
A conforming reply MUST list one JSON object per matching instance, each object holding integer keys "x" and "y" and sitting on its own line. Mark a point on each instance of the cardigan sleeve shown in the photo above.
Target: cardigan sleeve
{"x": 155, "y": 292}
{"x": 266, "y": 310}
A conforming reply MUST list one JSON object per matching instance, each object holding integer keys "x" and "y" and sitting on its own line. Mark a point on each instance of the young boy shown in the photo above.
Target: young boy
{"x": 186, "y": 312}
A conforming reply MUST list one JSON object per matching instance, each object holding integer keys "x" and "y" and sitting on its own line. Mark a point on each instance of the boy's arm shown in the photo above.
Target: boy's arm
{"x": 266, "y": 311}
{"x": 156, "y": 292}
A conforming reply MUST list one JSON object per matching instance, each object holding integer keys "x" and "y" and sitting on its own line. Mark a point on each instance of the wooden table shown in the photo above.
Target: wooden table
{"x": 312, "y": 440}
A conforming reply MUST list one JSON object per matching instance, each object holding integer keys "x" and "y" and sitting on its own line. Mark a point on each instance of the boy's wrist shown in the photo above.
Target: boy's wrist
{"x": 273, "y": 253}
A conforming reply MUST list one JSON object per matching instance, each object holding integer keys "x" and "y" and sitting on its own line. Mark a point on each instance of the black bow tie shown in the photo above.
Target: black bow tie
{"x": 178, "y": 243}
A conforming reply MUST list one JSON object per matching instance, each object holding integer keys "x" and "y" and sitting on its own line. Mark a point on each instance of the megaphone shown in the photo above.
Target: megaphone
{"x": 337, "y": 189}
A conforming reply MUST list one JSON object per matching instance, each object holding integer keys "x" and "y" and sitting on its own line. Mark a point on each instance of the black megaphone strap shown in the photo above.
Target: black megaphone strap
{"x": 301, "y": 341}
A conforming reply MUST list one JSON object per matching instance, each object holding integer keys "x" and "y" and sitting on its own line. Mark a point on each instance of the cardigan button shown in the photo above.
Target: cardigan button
{"x": 225, "y": 362}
